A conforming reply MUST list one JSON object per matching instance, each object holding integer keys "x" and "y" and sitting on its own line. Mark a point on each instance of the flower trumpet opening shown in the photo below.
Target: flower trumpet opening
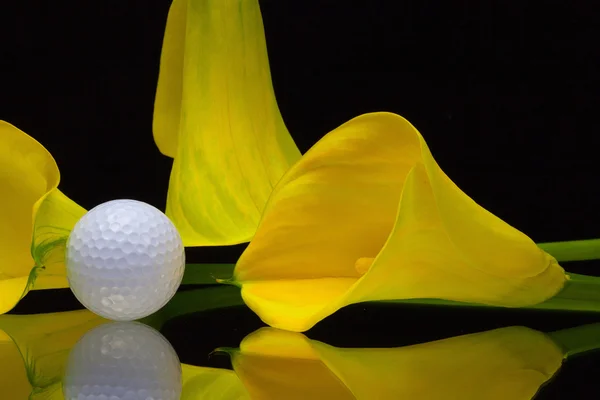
{"x": 367, "y": 214}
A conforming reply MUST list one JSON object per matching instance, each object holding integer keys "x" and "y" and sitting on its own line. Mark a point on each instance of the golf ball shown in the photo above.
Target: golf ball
{"x": 122, "y": 361}
{"x": 125, "y": 260}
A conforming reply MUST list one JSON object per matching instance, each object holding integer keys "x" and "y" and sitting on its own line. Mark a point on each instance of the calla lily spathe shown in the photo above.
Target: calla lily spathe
{"x": 507, "y": 363}
{"x": 36, "y": 218}
{"x": 215, "y": 114}
{"x": 367, "y": 214}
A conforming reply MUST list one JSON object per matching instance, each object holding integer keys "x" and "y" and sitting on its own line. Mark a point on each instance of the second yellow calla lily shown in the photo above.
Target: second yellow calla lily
{"x": 36, "y": 218}
{"x": 366, "y": 215}
{"x": 216, "y": 115}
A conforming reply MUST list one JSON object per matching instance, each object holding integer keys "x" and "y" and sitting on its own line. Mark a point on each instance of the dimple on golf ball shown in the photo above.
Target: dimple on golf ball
{"x": 125, "y": 260}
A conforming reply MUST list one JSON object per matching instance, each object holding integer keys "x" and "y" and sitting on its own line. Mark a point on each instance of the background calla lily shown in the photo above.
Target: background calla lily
{"x": 36, "y": 218}
{"x": 367, "y": 214}
{"x": 216, "y": 116}
{"x": 507, "y": 363}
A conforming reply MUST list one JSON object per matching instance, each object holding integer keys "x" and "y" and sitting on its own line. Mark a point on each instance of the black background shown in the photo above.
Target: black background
{"x": 505, "y": 93}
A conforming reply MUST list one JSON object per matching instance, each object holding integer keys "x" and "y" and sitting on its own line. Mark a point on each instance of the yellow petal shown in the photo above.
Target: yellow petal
{"x": 167, "y": 103}
{"x": 367, "y": 214}
{"x": 508, "y": 363}
{"x": 36, "y": 218}
{"x": 55, "y": 215}
{"x": 211, "y": 384}
{"x": 216, "y": 115}
{"x": 44, "y": 342}
{"x": 13, "y": 289}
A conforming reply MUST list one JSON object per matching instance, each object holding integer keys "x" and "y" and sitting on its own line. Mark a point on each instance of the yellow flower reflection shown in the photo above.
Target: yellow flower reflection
{"x": 202, "y": 383}
{"x": 13, "y": 377}
{"x": 508, "y": 363}
{"x": 35, "y": 351}
{"x": 36, "y": 218}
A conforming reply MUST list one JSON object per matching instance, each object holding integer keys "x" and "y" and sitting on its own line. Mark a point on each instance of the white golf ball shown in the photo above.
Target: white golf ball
{"x": 125, "y": 260}
{"x": 122, "y": 361}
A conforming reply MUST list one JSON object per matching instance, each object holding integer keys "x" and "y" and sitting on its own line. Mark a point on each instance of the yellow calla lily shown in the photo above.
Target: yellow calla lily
{"x": 507, "y": 363}
{"x": 216, "y": 116}
{"x": 36, "y": 218}
{"x": 367, "y": 214}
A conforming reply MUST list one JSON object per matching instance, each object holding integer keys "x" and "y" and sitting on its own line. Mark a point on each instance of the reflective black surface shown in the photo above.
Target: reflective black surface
{"x": 506, "y": 92}
{"x": 362, "y": 351}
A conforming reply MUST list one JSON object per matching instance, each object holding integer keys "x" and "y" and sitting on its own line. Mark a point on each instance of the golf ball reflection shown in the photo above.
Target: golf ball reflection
{"x": 122, "y": 361}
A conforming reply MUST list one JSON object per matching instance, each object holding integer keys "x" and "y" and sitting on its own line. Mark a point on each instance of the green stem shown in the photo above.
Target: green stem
{"x": 578, "y": 340}
{"x": 206, "y": 274}
{"x": 581, "y": 293}
{"x": 575, "y": 250}
{"x": 193, "y": 301}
